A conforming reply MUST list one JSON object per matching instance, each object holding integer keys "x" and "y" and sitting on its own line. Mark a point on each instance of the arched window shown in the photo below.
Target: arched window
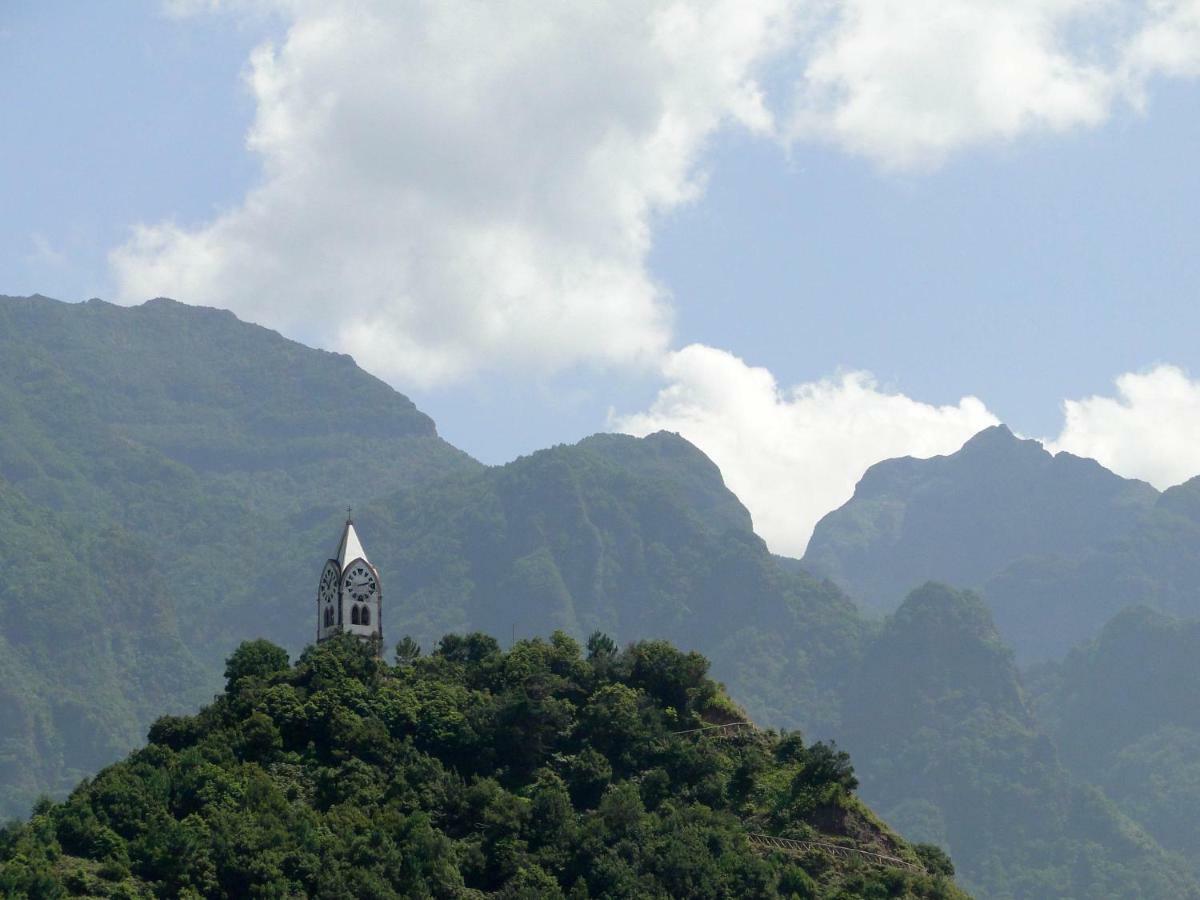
{"x": 328, "y": 616}
{"x": 366, "y": 615}
{"x": 354, "y": 615}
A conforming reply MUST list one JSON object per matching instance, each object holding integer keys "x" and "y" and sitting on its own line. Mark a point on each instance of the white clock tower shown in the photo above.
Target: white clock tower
{"x": 349, "y": 597}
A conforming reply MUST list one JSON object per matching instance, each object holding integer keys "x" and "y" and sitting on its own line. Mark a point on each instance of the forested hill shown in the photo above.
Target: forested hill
{"x": 536, "y": 773}
{"x": 221, "y": 457}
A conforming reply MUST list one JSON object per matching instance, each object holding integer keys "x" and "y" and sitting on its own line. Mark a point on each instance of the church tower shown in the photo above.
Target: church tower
{"x": 350, "y": 597}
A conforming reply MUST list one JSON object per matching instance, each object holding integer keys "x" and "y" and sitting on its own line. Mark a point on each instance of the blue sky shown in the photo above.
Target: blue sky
{"x": 1025, "y": 265}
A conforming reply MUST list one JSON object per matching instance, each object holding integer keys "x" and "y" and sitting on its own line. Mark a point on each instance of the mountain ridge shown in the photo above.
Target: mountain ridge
{"x": 967, "y": 517}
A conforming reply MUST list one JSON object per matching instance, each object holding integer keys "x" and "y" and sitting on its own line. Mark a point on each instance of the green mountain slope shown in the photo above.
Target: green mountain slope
{"x": 1056, "y": 545}
{"x": 535, "y": 773}
{"x": 89, "y": 649}
{"x": 1122, "y": 710}
{"x": 1046, "y": 606}
{"x": 951, "y": 752}
{"x": 635, "y": 537}
{"x": 154, "y": 464}
{"x": 279, "y": 425}
{"x": 962, "y": 518}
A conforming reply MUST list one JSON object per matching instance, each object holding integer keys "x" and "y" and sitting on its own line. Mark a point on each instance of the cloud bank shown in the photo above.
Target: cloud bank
{"x": 793, "y": 454}
{"x": 454, "y": 186}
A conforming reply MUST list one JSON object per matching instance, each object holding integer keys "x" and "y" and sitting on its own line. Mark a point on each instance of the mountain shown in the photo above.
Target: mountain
{"x": 156, "y": 464}
{"x": 1048, "y": 605}
{"x": 173, "y": 480}
{"x": 950, "y": 751}
{"x": 535, "y": 773}
{"x": 1122, "y": 711}
{"x": 1057, "y": 545}
{"x": 89, "y": 649}
{"x": 638, "y": 538}
{"x": 224, "y": 455}
{"x": 963, "y": 518}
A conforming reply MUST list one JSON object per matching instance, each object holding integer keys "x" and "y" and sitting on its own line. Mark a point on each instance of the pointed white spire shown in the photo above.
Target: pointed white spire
{"x": 351, "y": 547}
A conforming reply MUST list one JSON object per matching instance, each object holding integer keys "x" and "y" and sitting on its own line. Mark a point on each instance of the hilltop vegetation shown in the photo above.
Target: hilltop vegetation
{"x": 536, "y": 773}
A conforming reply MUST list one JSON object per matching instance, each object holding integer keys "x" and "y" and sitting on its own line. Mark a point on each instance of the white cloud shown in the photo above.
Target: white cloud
{"x": 1150, "y": 430}
{"x": 452, "y": 185}
{"x": 908, "y": 82}
{"x": 791, "y": 455}
{"x": 1167, "y": 43}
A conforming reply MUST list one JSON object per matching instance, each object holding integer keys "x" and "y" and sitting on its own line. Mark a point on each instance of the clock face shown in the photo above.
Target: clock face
{"x": 360, "y": 583}
{"x": 327, "y": 592}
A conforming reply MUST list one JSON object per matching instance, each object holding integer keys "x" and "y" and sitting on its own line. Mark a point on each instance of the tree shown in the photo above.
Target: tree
{"x": 407, "y": 651}
{"x": 600, "y": 644}
{"x": 469, "y": 649}
{"x": 254, "y": 659}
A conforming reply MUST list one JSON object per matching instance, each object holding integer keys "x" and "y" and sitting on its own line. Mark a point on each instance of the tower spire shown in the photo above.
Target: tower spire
{"x": 350, "y": 547}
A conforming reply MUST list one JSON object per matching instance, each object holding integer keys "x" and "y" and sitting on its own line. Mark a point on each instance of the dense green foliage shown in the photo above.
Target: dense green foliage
{"x": 535, "y": 773}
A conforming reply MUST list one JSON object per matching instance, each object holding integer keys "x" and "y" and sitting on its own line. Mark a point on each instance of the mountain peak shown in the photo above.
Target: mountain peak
{"x": 962, "y": 518}
{"x": 999, "y": 441}
{"x": 999, "y": 432}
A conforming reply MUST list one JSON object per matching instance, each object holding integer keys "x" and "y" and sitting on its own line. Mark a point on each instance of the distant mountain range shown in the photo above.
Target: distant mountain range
{"x": 172, "y": 479}
{"x": 1055, "y": 543}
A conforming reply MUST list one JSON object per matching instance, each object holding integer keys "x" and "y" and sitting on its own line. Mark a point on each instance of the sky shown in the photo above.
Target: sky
{"x": 808, "y": 235}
